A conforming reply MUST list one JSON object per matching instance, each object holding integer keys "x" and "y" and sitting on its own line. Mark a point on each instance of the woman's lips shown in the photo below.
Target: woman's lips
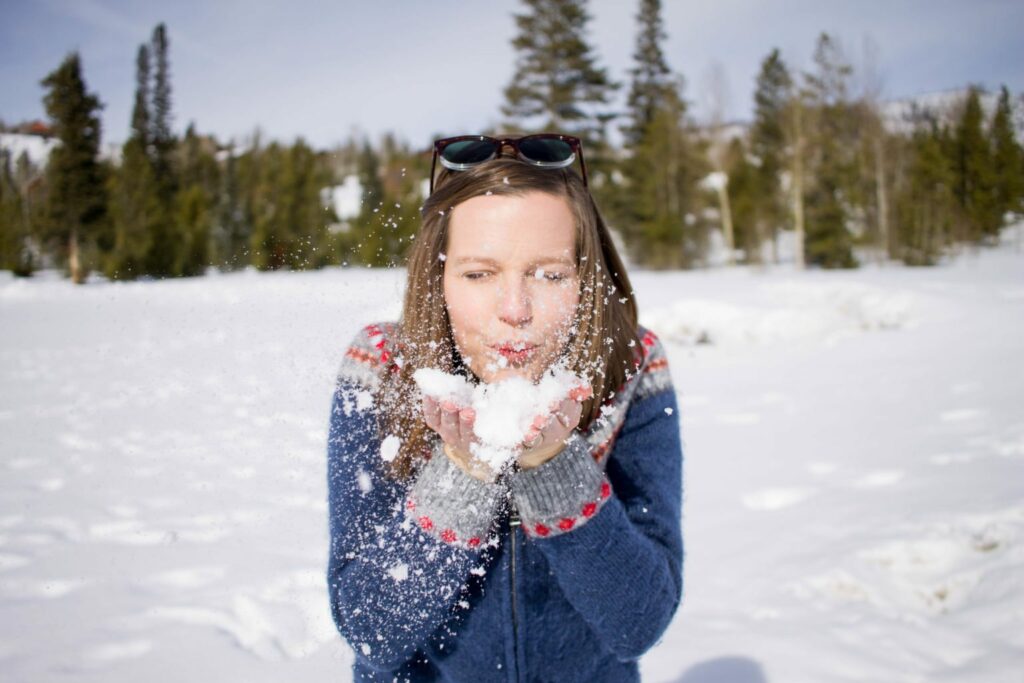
{"x": 515, "y": 352}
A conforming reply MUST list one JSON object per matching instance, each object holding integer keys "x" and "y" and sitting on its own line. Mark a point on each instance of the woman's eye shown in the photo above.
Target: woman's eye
{"x": 550, "y": 276}
{"x": 474, "y": 275}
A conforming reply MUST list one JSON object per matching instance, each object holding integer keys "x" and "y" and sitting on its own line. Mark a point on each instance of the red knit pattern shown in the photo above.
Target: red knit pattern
{"x": 473, "y": 542}
{"x": 426, "y": 523}
{"x": 657, "y": 364}
{"x": 448, "y": 536}
{"x": 362, "y": 356}
{"x": 601, "y": 450}
{"x": 410, "y": 505}
{"x": 371, "y": 359}
{"x": 567, "y": 523}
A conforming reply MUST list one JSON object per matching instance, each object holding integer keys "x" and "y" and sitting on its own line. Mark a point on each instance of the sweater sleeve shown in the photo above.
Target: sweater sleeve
{"x": 614, "y": 538}
{"x": 392, "y": 585}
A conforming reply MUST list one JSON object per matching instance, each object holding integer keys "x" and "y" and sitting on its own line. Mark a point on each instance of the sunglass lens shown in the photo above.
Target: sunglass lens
{"x": 546, "y": 150}
{"x": 467, "y": 152}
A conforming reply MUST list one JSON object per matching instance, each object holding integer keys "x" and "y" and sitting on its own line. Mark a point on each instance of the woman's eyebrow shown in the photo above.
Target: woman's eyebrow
{"x": 561, "y": 260}
{"x": 473, "y": 259}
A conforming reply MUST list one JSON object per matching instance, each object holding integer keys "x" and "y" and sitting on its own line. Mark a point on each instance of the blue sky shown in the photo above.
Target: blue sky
{"x": 324, "y": 70}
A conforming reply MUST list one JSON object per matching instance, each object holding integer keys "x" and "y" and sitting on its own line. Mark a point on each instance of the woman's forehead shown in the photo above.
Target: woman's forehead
{"x": 536, "y": 224}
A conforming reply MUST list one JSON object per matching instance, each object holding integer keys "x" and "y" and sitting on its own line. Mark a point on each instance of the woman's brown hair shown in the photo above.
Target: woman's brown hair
{"x": 604, "y": 346}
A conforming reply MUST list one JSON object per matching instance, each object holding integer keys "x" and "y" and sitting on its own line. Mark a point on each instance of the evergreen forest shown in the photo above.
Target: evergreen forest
{"x": 822, "y": 167}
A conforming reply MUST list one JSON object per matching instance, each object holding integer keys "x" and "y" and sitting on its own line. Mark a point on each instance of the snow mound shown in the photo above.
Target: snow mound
{"x": 785, "y": 312}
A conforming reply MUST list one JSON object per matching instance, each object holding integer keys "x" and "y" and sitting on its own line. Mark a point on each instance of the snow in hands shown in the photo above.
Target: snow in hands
{"x": 505, "y": 410}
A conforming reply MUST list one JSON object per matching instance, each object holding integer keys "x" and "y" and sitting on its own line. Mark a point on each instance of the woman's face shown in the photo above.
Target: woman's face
{"x": 510, "y": 282}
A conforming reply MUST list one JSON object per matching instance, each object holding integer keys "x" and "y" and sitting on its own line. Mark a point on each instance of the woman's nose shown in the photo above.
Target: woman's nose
{"x": 514, "y": 306}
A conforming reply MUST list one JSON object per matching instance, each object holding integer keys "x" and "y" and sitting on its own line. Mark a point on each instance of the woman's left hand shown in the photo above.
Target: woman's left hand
{"x": 548, "y": 434}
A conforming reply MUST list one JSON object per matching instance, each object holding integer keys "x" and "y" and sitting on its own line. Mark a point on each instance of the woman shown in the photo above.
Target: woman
{"x": 566, "y": 564}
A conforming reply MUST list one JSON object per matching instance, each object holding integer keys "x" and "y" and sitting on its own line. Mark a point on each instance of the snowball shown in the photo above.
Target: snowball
{"x": 444, "y": 387}
{"x": 363, "y": 479}
{"x": 366, "y": 649}
{"x": 504, "y": 410}
{"x": 400, "y": 572}
{"x": 389, "y": 447}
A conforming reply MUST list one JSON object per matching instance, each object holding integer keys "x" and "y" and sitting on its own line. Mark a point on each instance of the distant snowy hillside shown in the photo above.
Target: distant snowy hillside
{"x": 36, "y": 147}
{"x": 899, "y": 115}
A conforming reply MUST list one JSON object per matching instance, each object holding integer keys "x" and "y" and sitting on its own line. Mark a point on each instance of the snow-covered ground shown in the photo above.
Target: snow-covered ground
{"x": 854, "y": 473}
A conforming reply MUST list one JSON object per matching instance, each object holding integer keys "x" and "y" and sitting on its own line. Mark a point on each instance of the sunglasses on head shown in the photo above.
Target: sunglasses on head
{"x": 544, "y": 150}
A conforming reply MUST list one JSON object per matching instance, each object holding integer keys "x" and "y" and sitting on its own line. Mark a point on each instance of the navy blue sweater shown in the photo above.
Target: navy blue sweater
{"x": 569, "y": 571}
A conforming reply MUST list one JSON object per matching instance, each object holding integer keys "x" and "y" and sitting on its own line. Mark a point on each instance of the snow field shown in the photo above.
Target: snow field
{"x": 854, "y": 473}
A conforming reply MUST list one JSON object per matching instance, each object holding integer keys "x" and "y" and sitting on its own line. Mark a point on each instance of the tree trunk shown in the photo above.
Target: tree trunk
{"x": 73, "y": 261}
{"x": 798, "y": 195}
{"x": 797, "y": 134}
{"x": 883, "y": 204}
{"x": 723, "y": 200}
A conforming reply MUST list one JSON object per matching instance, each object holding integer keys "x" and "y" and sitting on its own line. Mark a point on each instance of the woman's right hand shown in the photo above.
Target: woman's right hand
{"x": 455, "y": 426}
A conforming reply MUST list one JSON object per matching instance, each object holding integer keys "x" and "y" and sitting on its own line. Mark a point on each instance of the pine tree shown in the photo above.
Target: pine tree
{"x": 77, "y": 201}
{"x": 400, "y": 215}
{"x": 199, "y": 179}
{"x": 268, "y": 243}
{"x": 663, "y": 173}
{"x": 289, "y": 220}
{"x": 373, "y": 246}
{"x": 140, "y": 112}
{"x": 557, "y": 81}
{"x": 231, "y": 231}
{"x": 161, "y": 136}
{"x": 164, "y": 248}
{"x": 768, "y": 144}
{"x": 136, "y": 205}
{"x": 746, "y": 200}
{"x": 1007, "y": 158}
{"x": 193, "y": 227}
{"x": 828, "y": 242}
{"x": 925, "y": 204}
{"x": 13, "y": 230}
{"x": 656, "y": 207}
{"x": 973, "y": 164}
{"x": 652, "y": 85}
{"x": 304, "y": 180}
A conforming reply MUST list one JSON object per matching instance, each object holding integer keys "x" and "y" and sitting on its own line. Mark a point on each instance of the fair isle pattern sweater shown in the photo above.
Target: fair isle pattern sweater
{"x": 568, "y": 571}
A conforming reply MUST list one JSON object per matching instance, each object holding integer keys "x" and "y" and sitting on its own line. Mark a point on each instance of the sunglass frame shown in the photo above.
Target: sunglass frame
{"x": 513, "y": 141}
